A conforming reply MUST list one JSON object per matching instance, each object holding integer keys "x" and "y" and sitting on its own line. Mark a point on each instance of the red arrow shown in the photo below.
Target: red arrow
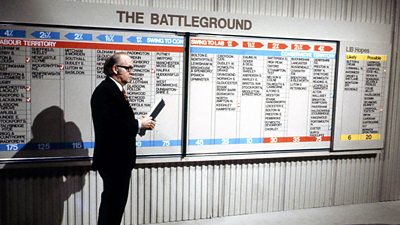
{"x": 303, "y": 47}
{"x": 231, "y": 44}
{"x": 274, "y": 45}
{"x": 322, "y": 48}
{"x": 251, "y": 44}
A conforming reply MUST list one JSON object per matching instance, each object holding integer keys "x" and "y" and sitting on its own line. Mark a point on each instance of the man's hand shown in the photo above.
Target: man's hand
{"x": 147, "y": 123}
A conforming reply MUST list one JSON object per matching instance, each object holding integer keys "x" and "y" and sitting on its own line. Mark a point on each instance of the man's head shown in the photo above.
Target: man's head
{"x": 119, "y": 66}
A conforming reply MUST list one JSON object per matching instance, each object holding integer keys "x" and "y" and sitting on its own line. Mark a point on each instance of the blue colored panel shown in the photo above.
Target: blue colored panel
{"x": 250, "y": 140}
{"x": 156, "y": 40}
{"x": 158, "y": 143}
{"x": 88, "y": 144}
{"x": 176, "y": 142}
{"x": 201, "y": 141}
{"x": 12, "y": 33}
{"x": 46, "y": 35}
{"x": 318, "y": 55}
{"x": 110, "y": 38}
{"x": 225, "y": 141}
{"x": 11, "y": 147}
{"x": 79, "y": 36}
{"x": 81, "y": 145}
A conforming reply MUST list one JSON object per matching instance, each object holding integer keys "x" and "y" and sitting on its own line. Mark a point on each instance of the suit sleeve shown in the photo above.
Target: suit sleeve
{"x": 112, "y": 114}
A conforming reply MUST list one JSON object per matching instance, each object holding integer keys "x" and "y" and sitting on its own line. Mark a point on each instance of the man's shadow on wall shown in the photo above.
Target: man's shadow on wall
{"x": 34, "y": 193}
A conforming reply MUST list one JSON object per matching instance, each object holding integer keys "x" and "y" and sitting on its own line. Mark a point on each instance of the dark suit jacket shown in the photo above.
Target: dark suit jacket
{"x": 115, "y": 128}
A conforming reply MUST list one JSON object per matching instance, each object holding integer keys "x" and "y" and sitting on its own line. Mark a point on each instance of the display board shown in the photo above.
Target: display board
{"x": 245, "y": 94}
{"x": 260, "y": 94}
{"x": 362, "y": 96}
{"x": 47, "y": 76}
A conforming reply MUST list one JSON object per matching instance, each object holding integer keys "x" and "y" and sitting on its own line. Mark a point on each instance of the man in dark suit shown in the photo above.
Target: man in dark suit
{"x": 115, "y": 130}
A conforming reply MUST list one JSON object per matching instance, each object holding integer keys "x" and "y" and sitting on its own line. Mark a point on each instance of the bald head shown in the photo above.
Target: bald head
{"x": 119, "y": 66}
{"x": 112, "y": 60}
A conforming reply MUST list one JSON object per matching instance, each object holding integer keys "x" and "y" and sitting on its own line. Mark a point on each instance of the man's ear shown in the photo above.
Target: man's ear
{"x": 114, "y": 69}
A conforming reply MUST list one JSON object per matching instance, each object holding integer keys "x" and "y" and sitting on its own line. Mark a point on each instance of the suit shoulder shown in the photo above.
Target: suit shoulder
{"x": 104, "y": 86}
{"x": 106, "y": 91}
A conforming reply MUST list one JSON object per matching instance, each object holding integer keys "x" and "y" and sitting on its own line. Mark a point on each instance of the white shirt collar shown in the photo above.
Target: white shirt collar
{"x": 118, "y": 84}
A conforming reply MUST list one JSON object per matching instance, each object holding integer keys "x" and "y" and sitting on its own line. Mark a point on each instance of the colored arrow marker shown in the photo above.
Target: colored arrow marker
{"x": 303, "y": 47}
{"x": 322, "y": 48}
{"x": 46, "y": 35}
{"x": 12, "y": 33}
{"x": 79, "y": 36}
{"x": 274, "y": 45}
{"x": 251, "y": 44}
{"x": 217, "y": 43}
{"x": 110, "y": 38}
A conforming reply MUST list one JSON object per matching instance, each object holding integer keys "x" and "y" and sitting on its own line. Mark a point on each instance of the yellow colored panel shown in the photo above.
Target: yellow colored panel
{"x": 377, "y": 57}
{"x": 360, "y": 137}
{"x": 350, "y": 137}
{"x": 362, "y": 57}
{"x": 355, "y": 57}
{"x": 370, "y": 137}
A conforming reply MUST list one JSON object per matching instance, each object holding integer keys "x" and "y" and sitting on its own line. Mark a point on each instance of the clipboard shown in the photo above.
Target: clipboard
{"x": 153, "y": 113}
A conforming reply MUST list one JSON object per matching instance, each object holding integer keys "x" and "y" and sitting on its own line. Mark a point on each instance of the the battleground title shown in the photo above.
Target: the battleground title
{"x": 183, "y": 20}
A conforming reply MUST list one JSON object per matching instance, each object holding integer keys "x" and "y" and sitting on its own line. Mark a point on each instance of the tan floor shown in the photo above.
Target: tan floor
{"x": 374, "y": 213}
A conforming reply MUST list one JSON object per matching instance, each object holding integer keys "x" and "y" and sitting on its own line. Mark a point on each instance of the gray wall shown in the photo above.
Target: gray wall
{"x": 186, "y": 191}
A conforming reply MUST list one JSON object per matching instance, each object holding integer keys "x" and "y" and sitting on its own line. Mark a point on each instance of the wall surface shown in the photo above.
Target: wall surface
{"x": 188, "y": 191}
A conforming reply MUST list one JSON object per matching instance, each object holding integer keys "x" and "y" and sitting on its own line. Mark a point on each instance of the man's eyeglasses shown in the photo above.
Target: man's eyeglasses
{"x": 127, "y": 68}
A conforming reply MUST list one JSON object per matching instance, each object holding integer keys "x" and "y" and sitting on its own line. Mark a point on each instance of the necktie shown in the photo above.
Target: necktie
{"x": 125, "y": 95}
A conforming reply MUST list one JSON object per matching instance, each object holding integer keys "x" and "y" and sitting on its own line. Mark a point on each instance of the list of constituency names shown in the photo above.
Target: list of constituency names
{"x": 260, "y": 91}
{"x": 36, "y": 75}
{"x": 364, "y": 89}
